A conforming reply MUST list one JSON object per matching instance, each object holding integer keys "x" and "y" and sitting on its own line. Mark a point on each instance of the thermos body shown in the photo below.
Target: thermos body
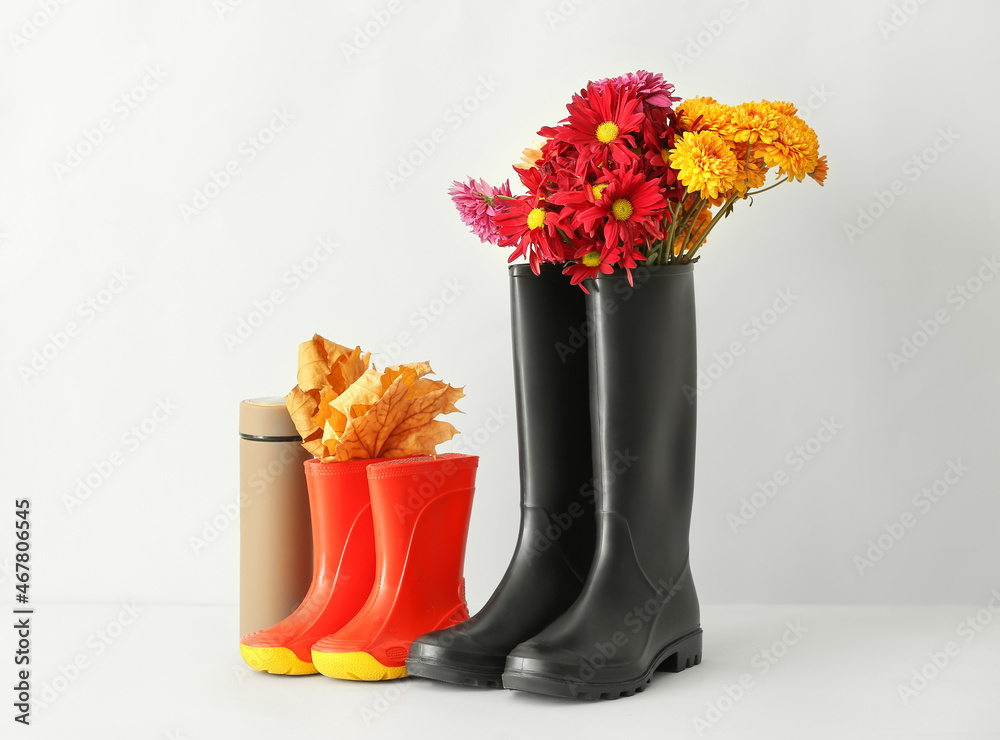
{"x": 275, "y": 533}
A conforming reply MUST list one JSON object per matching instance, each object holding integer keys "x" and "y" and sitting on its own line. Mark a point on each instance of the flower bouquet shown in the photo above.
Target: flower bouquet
{"x": 628, "y": 177}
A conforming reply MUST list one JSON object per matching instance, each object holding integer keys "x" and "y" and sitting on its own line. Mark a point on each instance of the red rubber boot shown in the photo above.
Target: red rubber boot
{"x": 343, "y": 569}
{"x": 421, "y": 507}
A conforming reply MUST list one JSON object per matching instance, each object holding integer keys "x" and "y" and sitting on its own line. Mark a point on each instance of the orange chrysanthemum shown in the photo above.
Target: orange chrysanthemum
{"x": 704, "y": 114}
{"x": 796, "y": 150}
{"x": 752, "y": 171}
{"x": 755, "y": 122}
{"x": 530, "y": 157}
{"x": 782, "y": 106}
{"x": 704, "y": 163}
{"x": 819, "y": 174}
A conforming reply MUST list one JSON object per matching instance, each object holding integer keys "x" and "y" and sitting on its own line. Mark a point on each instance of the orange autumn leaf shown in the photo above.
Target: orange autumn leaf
{"x": 325, "y": 370}
{"x": 400, "y": 422}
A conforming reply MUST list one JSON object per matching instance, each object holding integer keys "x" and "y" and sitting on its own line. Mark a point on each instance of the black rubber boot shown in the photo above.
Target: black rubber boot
{"x": 555, "y": 547}
{"x": 638, "y": 612}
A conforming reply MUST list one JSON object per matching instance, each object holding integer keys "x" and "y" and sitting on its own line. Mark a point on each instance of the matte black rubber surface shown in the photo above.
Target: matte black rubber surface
{"x": 638, "y": 610}
{"x": 555, "y": 545}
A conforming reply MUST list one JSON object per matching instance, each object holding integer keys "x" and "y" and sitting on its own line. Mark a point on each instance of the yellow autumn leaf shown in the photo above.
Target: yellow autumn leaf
{"x": 302, "y": 407}
{"x": 364, "y": 392}
{"x": 401, "y": 422}
{"x": 325, "y": 370}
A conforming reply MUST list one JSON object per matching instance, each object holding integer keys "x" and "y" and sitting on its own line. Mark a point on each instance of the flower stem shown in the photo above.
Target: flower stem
{"x": 701, "y": 240}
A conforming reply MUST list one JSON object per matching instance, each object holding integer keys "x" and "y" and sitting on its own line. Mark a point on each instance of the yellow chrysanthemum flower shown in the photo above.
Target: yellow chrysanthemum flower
{"x": 796, "y": 150}
{"x": 704, "y": 114}
{"x": 704, "y": 163}
{"x": 755, "y": 122}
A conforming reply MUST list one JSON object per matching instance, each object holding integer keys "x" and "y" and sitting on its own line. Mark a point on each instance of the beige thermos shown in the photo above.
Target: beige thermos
{"x": 275, "y": 534}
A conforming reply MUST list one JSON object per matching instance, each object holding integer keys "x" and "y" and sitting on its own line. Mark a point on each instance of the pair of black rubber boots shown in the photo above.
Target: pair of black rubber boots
{"x": 598, "y": 595}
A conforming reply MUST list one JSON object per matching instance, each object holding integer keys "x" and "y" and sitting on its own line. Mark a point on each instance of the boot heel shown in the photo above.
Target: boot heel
{"x": 683, "y": 654}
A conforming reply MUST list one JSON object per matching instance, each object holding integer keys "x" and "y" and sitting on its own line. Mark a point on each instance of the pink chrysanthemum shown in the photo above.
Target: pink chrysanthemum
{"x": 477, "y": 206}
{"x": 651, "y": 89}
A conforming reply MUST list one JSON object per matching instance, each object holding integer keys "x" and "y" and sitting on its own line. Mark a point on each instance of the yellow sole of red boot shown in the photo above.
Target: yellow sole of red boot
{"x": 355, "y": 667}
{"x": 277, "y": 660}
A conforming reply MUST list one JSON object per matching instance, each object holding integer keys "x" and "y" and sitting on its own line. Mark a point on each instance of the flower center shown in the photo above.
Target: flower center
{"x": 536, "y": 218}
{"x": 621, "y": 209}
{"x": 607, "y": 132}
{"x": 592, "y": 259}
{"x": 598, "y": 190}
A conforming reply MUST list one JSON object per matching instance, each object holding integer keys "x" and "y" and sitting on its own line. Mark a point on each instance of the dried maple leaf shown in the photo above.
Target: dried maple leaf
{"x": 326, "y": 370}
{"x": 302, "y": 407}
{"x": 401, "y": 422}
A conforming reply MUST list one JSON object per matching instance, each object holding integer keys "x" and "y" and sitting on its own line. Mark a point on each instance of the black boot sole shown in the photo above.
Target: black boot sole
{"x": 677, "y": 656}
{"x": 450, "y": 673}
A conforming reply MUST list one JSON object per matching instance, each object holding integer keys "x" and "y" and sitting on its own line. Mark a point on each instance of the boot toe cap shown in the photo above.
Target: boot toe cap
{"x": 542, "y": 658}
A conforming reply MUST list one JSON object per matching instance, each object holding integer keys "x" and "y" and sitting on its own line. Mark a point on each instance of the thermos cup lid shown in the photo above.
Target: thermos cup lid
{"x": 266, "y": 419}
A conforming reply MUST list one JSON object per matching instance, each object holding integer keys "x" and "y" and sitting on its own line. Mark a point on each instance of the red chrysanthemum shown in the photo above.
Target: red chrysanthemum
{"x": 589, "y": 264}
{"x": 629, "y": 210}
{"x": 601, "y": 124}
{"x": 526, "y": 223}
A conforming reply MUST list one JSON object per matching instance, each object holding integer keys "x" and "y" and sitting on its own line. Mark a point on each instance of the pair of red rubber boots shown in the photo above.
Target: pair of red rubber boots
{"x": 389, "y": 542}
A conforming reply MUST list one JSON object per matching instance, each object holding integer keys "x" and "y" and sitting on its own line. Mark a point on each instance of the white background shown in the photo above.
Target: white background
{"x": 901, "y": 97}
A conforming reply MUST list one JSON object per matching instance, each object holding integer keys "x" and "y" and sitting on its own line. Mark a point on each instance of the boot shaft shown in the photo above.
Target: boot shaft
{"x": 643, "y": 370}
{"x": 421, "y": 508}
{"x": 550, "y": 333}
{"x": 340, "y": 512}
